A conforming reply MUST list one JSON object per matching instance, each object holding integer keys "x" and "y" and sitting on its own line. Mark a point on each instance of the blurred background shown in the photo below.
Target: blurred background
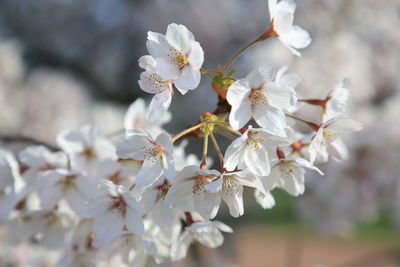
{"x": 66, "y": 63}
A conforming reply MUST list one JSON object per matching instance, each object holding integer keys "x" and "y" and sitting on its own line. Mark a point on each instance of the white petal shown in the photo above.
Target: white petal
{"x": 281, "y": 97}
{"x": 338, "y": 150}
{"x": 240, "y": 115}
{"x": 232, "y": 154}
{"x": 133, "y": 147}
{"x": 188, "y": 79}
{"x": 167, "y": 68}
{"x": 238, "y": 91}
{"x": 271, "y": 119}
{"x": 215, "y": 186}
{"x": 257, "y": 161}
{"x": 266, "y": 201}
{"x": 180, "y": 247}
{"x": 234, "y": 199}
{"x": 147, "y": 62}
{"x": 271, "y": 7}
{"x": 107, "y": 228}
{"x": 134, "y": 222}
{"x": 159, "y": 105}
{"x": 258, "y": 77}
{"x": 297, "y": 38}
{"x": 148, "y": 173}
{"x": 196, "y": 57}
{"x": 179, "y": 37}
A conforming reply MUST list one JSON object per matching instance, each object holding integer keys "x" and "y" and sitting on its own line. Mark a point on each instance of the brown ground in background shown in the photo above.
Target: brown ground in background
{"x": 260, "y": 248}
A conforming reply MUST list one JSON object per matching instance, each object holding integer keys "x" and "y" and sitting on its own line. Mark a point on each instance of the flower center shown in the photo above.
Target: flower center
{"x": 329, "y": 135}
{"x": 257, "y": 97}
{"x": 89, "y": 153}
{"x": 200, "y": 181}
{"x": 230, "y": 185}
{"x": 153, "y": 153}
{"x": 254, "y": 141}
{"x": 286, "y": 170}
{"x": 68, "y": 182}
{"x": 163, "y": 190}
{"x": 158, "y": 83}
{"x": 180, "y": 59}
{"x": 119, "y": 204}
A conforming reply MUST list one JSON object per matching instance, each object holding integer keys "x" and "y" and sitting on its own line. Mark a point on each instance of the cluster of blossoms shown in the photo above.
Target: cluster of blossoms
{"x": 143, "y": 197}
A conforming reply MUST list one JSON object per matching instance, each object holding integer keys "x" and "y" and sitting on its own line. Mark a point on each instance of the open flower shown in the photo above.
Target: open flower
{"x": 177, "y": 55}
{"x": 288, "y": 174}
{"x": 157, "y": 155}
{"x": 336, "y": 101}
{"x": 151, "y": 82}
{"x": 87, "y": 148}
{"x": 71, "y": 185}
{"x": 116, "y": 212}
{"x": 253, "y": 150}
{"x": 291, "y": 36}
{"x": 207, "y": 233}
{"x": 229, "y": 187}
{"x": 188, "y": 191}
{"x": 259, "y": 96}
{"x": 327, "y": 139}
{"x": 135, "y": 118}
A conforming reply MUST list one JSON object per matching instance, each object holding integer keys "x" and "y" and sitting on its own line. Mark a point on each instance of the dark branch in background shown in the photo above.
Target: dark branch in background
{"x": 25, "y": 139}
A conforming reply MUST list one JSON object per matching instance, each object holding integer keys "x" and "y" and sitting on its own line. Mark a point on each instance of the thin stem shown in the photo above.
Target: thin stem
{"x": 205, "y": 71}
{"x": 229, "y": 63}
{"x": 191, "y": 129}
{"x": 312, "y": 125}
{"x": 185, "y": 132}
{"x": 25, "y": 139}
{"x": 203, "y": 164}
{"x": 217, "y": 148}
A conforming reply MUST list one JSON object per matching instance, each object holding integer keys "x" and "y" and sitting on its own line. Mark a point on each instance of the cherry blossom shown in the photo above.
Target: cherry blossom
{"x": 152, "y": 83}
{"x": 260, "y": 97}
{"x": 291, "y": 36}
{"x": 207, "y": 233}
{"x": 288, "y": 174}
{"x": 253, "y": 150}
{"x": 135, "y": 118}
{"x": 188, "y": 191}
{"x": 229, "y": 187}
{"x": 157, "y": 155}
{"x": 115, "y": 211}
{"x": 327, "y": 139}
{"x": 177, "y": 56}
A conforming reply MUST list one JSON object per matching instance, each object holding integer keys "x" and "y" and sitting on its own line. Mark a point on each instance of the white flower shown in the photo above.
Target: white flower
{"x": 152, "y": 200}
{"x": 229, "y": 187}
{"x": 12, "y": 186}
{"x": 253, "y": 150}
{"x": 207, "y": 233}
{"x": 135, "y": 118}
{"x": 157, "y": 155}
{"x": 264, "y": 199}
{"x": 121, "y": 172}
{"x": 189, "y": 194}
{"x": 327, "y": 138}
{"x": 72, "y": 185}
{"x": 152, "y": 83}
{"x": 115, "y": 211}
{"x": 288, "y": 174}
{"x": 259, "y": 96}
{"x": 291, "y": 36}
{"x": 52, "y": 227}
{"x": 336, "y": 101}
{"x": 178, "y": 56}
{"x": 39, "y": 159}
{"x": 87, "y": 148}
